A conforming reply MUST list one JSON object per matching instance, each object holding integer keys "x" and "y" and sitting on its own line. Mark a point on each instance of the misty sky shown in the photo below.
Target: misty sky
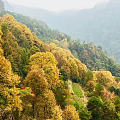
{"x": 58, "y": 5}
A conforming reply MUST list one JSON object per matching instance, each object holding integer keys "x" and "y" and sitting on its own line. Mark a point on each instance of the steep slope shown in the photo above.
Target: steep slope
{"x": 38, "y": 66}
{"x": 39, "y": 28}
{"x": 99, "y": 25}
{"x": 89, "y": 54}
{"x": 96, "y": 58}
{"x": 41, "y": 90}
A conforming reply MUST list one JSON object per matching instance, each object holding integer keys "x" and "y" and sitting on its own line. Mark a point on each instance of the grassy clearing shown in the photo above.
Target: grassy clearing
{"x": 77, "y": 90}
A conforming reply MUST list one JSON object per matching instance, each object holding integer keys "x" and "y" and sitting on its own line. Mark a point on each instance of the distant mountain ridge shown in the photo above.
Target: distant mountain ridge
{"x": 1, "y": 5}
{"x": 100, "y": 24}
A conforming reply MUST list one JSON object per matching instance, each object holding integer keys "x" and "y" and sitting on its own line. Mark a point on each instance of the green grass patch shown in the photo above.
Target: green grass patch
{"x": 79, "y": 105}
{"x": 77, "y": 90}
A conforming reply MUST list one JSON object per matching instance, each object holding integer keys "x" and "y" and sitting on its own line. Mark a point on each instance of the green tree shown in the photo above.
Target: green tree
{"x": 25, "y": 55}
{"x": 95, "y": 106}
{"x": 85, "y": 114}
{"x": 34, "y": 49}
{"x": 63, "y": 75}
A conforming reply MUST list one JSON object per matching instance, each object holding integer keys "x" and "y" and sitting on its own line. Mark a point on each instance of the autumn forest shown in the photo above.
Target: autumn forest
{"x": 46, "y": 75}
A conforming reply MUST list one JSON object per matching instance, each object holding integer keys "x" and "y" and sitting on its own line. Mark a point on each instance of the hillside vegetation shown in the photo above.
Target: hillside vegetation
{"x": 38, "y": 27}
{"x": 88, "y": 53}
{"x": 94, "y": 57}
{"x": 34, "y": 80}
{"x": 99, "y": 25}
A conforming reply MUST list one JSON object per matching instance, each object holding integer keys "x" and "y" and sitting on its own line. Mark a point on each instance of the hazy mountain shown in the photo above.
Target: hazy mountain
{"x": 1, "y": 5}
{"x": 28, "y": 11}
{"x": 100, "y": 24}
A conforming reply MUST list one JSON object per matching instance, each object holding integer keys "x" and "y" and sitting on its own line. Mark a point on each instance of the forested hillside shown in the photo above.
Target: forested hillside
{"x": 94, "y": 57}
{"x": 95, "y": 60}
{"x": 39, "y": 28}
{"x": 40, "y": 81}
{"x": 45, "y": 75}
{"x": 99, "y": 25}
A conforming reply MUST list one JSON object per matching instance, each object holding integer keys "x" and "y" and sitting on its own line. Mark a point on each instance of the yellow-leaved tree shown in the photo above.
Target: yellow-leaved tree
{"x": 9, "y": 94}
{"x": 70, "y": 113}
{"x": 20, "y": 31}
{"x": 66, "y": 61}
{"x": 57, "y": 113}
{"x": 43, "y": 103}
{"x": 1, "y": 35}
{"x": 46, "y": 62}
{"x": 105, "y": 78}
